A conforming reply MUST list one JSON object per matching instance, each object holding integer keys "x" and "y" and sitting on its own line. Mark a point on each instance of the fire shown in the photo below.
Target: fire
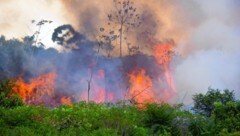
{"x": 140, "y": 86}
{"x": 97, "y": 91}
{"x": 100, "y": 95}
{"x": 66, "y": 100}
{"x": 163, "y": 54}
{"x": 37, "y": 90}
{"x": 143, "y": 88}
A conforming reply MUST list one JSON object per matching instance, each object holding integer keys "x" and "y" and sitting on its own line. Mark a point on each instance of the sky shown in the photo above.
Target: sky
{"x": 206, "y": 33}
{"x": 17, "y": 15}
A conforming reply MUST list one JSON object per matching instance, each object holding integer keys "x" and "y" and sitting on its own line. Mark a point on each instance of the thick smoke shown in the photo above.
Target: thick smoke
{"x": 75, "y": 68}
{"x": 206, "y": 34}
{"x": 207, "y": 37}
{"x": 214, "y": 49}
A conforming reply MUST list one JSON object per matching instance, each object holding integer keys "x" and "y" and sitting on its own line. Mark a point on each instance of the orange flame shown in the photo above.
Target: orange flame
{"x": 66, "y": 100}
{"x": 36, "y": 89}
{"x": 140, "y": 87}
{"x": 163, "y": 54}
{"x": 97, "y": 92}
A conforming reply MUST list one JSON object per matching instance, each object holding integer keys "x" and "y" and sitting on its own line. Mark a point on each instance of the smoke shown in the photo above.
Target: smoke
{"x": 160, "y": 20}
{"x": 206, "y": 34}
{"x": 211, "y": 56}
{"x": 16, "y": 18}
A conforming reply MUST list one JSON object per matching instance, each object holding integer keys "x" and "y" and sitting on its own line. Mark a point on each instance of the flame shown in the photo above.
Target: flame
{"x": 37, "y": 89}
{"x": 163, "y": 54}
{"x": 143, "y": 88}
{"x": 140, "y": 87}
{"x": 98, "y": 91}
{"x": 66, "y": 100}
{"x": 99, "y": 96}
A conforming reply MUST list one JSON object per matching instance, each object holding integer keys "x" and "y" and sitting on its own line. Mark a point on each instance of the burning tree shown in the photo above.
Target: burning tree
{"x": 120, "y": 20}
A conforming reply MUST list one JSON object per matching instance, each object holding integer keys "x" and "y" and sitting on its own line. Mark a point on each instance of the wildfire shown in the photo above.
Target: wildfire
{"x": 163, "y": 54}
{"x": 37, "y": 90}
{"x": 98, "y": 91}
{"x": 143, "y": 88}
{"x": 140, "y": 87}
{"x": 66, "y": 100}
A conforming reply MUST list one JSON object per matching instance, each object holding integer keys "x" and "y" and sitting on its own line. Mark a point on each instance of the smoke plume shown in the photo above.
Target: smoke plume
{"x": 205, "y": 34}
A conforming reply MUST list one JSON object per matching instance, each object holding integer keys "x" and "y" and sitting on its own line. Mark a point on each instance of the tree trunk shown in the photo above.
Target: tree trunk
{"x": 89, "y": 86}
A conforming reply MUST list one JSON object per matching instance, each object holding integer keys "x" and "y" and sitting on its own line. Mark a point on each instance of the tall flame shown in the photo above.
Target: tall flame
{"x": 163, "y": 54}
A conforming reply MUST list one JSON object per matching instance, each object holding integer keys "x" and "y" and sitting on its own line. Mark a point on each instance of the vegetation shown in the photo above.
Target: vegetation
{"x": 8, "y": 98}
{"x": 121, "y": 20}
{"x": 214, "y": 113}
{"x": 204, "y": 104}
{"x": 117, "y": 119}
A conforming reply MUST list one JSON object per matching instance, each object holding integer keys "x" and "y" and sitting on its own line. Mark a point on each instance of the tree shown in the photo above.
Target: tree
{"x": 40, "y": 24}
{"x": 227, "y": 116}
{"x": 64, "y": 34}
{"x": 8, "y": 98}
{"x": 123, "y": 18}
{"x": 204, "y": 103}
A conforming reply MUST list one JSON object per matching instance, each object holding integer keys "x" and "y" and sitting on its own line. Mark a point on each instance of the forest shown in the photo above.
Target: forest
{"x": 37, "y": 111}
{"x": 121, "y": 68}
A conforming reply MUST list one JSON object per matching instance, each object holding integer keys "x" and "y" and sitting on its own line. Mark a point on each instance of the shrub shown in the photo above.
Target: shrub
{"x": 158, "y": 118}
{"x": 204, "y": 103}
{"x": 227, "y": 117}
{"x": 8, "y": 98}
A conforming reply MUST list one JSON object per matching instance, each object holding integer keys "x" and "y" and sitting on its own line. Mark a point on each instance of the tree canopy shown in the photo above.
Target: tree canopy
{"x": 204, "y": 103}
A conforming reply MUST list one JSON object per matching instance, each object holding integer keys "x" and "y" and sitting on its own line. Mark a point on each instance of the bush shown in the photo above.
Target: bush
{"x": 100, "y": 119}
{"x": 227, "y": 117}
{"x": 158, "y": 118}
{"x": 8, "y": 98}
{"x": 204, "y": 103}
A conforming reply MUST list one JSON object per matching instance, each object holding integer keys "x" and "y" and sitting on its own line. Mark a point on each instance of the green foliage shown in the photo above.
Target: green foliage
{"x": 82, "y": 118}
{"x": 158, "y": 117}
{"x": 224, "y": 132}
{"x": 204, "y": 103}
{"x": 200, "y": 125}
{"x": 7, "y": 97}
{"x": 109, "y": 119}
{"x": 227, "y": 117}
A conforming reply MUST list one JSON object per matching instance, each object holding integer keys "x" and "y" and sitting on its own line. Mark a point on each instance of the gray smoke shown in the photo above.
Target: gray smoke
{"x": 211, "y": 56}
{"x": 206, "y": 34}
